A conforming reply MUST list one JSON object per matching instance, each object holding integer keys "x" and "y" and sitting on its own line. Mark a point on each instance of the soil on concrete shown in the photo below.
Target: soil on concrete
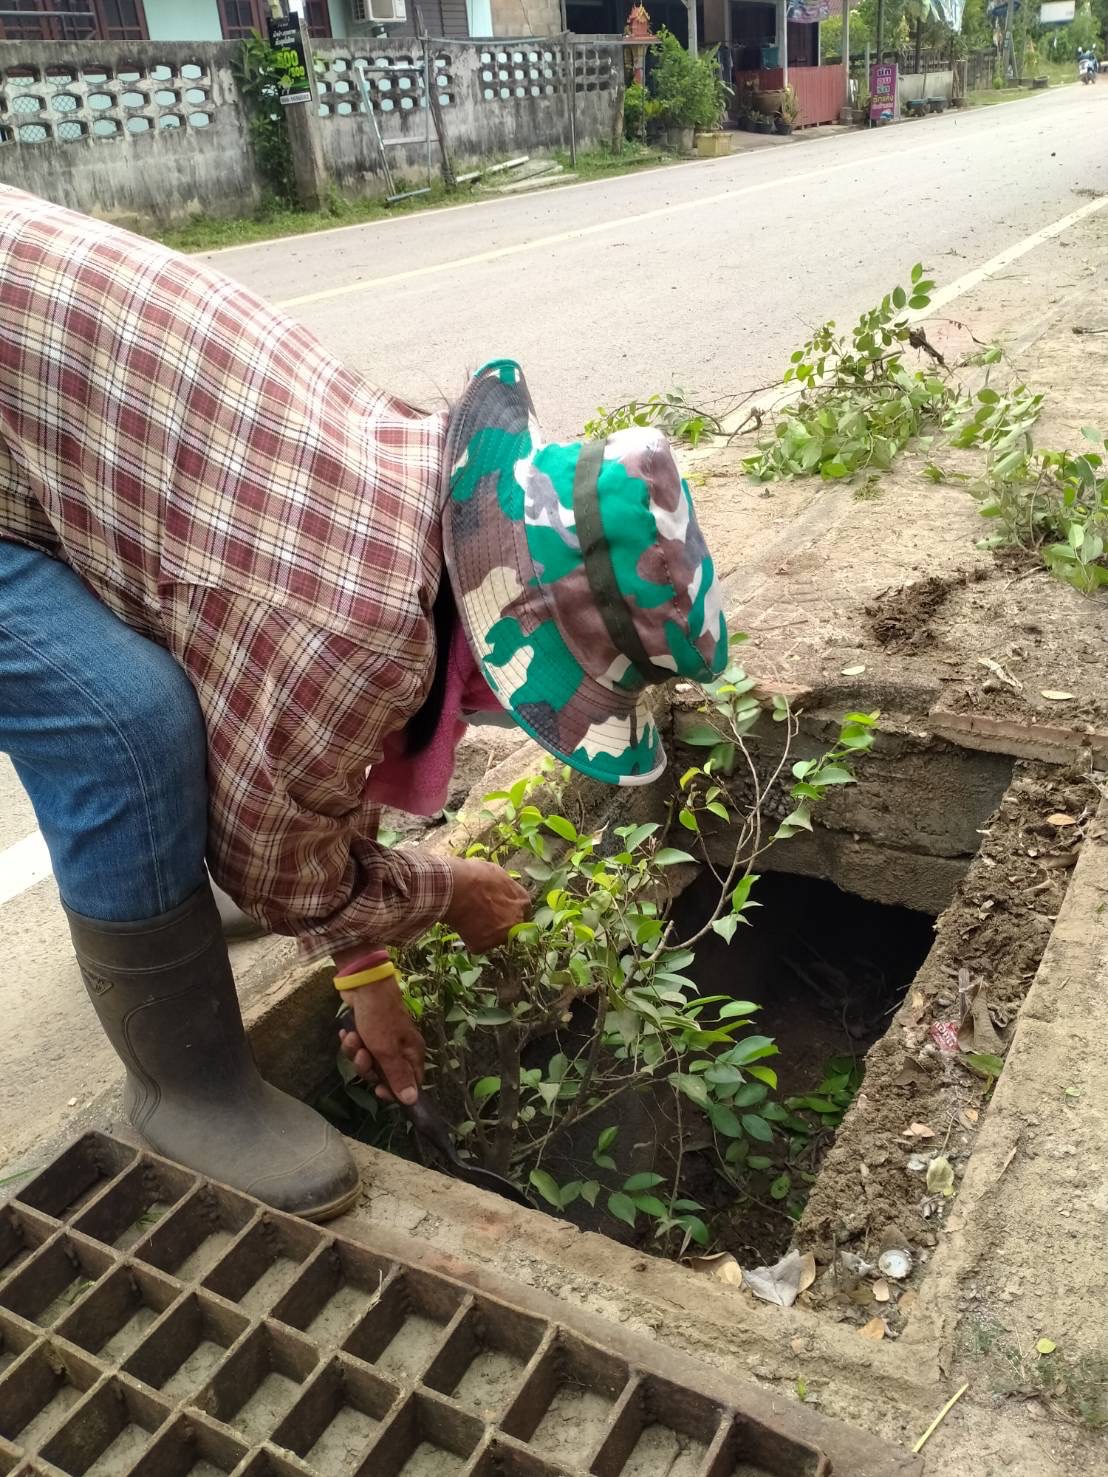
{"x": 918, "y": 1100}
{"x": 901, "y": 619}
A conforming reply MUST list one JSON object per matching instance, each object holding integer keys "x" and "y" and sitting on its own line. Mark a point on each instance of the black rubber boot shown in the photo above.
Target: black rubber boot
{"x": 165, "y": 995}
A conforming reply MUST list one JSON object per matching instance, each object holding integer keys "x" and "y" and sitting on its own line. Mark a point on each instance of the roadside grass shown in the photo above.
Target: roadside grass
{"x": 1061, "y": 74}
{"x": 274, "y": 220}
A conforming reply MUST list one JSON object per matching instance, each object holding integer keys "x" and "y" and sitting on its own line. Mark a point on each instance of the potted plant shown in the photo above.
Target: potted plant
{"x": 861, "y": 109}
{"x": 785, "y": 121}
{"x": 690, "y": 90}
{"x": 763, "y": 123}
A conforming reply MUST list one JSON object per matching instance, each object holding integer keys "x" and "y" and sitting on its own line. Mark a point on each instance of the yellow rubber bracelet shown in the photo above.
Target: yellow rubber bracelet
{"x": 365, "y": 977}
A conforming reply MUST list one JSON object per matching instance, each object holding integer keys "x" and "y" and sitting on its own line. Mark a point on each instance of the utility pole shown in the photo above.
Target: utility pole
{"x": 846, "y": 54}
{"x": 1009, "y": 50}
{"x": 302, "y": 122}
{"x": 881, "y": 30}
{"x": 690, "y": 6}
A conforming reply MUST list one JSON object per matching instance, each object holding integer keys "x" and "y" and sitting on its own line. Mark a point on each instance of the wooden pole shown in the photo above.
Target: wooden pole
{"x": 846, "y": 53}
{"x": 446, "y": 164}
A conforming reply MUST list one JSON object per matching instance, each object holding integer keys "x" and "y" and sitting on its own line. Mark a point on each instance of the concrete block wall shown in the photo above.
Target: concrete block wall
{"x": 497, "y": 99}
{"x": 135, "y": 131}
{"x": 156, "y": 131}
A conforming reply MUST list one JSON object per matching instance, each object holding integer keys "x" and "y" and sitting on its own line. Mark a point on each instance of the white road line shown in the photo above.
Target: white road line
{"x": 615, "y": 223}
{"x": 22, "y": 865}
{"x": 969, "y": 280}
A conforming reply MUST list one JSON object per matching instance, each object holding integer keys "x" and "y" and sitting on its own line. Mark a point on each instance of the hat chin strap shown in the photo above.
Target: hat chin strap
{"x": 599, "y": 569}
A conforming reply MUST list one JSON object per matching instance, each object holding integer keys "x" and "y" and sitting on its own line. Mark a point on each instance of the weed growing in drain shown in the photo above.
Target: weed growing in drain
{"x": 598, "y": 974}
{"x": 1073, "y": 1387}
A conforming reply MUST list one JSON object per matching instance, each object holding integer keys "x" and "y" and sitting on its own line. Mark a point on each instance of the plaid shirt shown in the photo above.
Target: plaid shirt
{"x": 232, "y": 492}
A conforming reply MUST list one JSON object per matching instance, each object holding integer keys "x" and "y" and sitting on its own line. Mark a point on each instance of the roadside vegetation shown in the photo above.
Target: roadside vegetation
{"x": 855, "y": 400}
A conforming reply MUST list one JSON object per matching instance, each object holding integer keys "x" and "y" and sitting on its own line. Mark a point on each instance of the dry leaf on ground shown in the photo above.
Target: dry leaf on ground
{"x": 1061, "y": 820}
{"x": 881, "y": 1292}
{"x": 784, "y": 1281}
{"x": 918, "y": 1131}
{"x": 976, "y": 1031}
{"x": 722, "y": 1266}
{"x": 907, "y": 1300}
{"x": 874, "y": 1329}
{"x": 1055, "y": 697}
{"x": 940, "y": 1176}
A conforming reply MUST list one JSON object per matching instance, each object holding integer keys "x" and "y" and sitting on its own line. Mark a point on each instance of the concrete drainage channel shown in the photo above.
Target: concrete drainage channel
{"x": 444, "y": 1331}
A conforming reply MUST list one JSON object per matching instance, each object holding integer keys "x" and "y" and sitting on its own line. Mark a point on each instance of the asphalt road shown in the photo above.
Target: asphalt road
{"x": 703, "y": 276}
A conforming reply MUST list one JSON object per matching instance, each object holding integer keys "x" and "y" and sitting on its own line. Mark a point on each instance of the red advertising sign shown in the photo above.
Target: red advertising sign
{"x": 882, "y": 92}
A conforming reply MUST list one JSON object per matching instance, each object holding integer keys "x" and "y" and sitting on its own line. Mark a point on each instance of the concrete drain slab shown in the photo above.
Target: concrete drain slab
{"x": 153, "y": 1323}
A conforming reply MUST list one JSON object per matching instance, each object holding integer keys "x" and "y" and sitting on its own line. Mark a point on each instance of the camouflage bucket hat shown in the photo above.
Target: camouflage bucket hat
{"x": 581, "y": 576}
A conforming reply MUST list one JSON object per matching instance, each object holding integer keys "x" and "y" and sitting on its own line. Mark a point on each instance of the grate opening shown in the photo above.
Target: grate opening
{"x": 564, "y": 1407}
{"x": 144, "y": 1195}
{"x": 254, "y": 1388}
{"x": 333, "y": 1424}
{"x": 260, "y": 1266}
{"x": 482, "y": 1363}
{"x": 51, "y": 1283}
{"x": 79, "y": 1174}
{"x": 40, "y": 1392}
{"x": 186, "y": 1448}
{"x": 335, "y": 1290}
{"x": 193, "y": 1238}
{"x": 186, "y": 1348}
{"x": 403, "y": 1330}
{"x": 113, "y": 1320}
{"x": 107, "y": 1433}
{"x": 426, "y": 1438}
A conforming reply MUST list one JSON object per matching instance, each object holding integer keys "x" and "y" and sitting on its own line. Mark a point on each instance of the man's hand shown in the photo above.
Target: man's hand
{"x": 386, "y": 1049}
{"x": 486, "y": 903}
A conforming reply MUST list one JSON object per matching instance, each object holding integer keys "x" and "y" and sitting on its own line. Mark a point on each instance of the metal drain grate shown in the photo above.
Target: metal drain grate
{"x": 155, "y": 1324}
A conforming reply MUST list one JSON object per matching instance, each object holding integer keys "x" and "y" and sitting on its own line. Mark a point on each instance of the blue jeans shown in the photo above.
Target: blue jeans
{"x": 106, "y": 735}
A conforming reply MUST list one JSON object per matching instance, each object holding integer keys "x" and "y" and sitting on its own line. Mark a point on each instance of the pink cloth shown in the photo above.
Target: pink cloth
{"x": 419, "y": 783}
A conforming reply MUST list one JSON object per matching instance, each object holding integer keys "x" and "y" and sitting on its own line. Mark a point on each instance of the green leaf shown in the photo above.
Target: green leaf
{"x": 750, "y": 1093}
{"x": 547, "y": 1187}
{"x": 815, "y": 1104}
{"x": 644, "y": 1181}
{"x": 589, "y": 1191}
{"x": 492, "y": 1015}
{"x": 605, "y": 1139}
{"x": 723, "y": 1076}
{"x": 485, "y": 1088}
{"x": 669, "y": 856}
{"x": 780, "y": 1187}
{"x": 917, "y": 271}
{"x": 604, "y": 1161}
{"x": 561, "y": 827}
{"x": 758, "y": 1161}
{"x": 701, "y": 736}
{"x": 918, "y": 300}
{"x": 987, "y": 396}
{"x": 651, "y": 1205}
{"x": 570, "y": 1193}
{"x": 764, "y": 1074}
{"x": 726, "y": 927}
{"x": 725, "y": 1121}
{"x": 557, "y": 1066}
{"x": 638, "y": 834}
{"x": 743, "y": 1008}
{"x": 622, "y": 1207}
{"x": 688, "y": 820}
{"x": 695, "y": 1227}
{"x": 693, "y": 1088}
{"x": 985, "y": 1063}
{"x": 741, "y": 894}
{"x": 751, "y": 1050}
{"x": 900, "y": 297}
{"x": 757, "y": 1128}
